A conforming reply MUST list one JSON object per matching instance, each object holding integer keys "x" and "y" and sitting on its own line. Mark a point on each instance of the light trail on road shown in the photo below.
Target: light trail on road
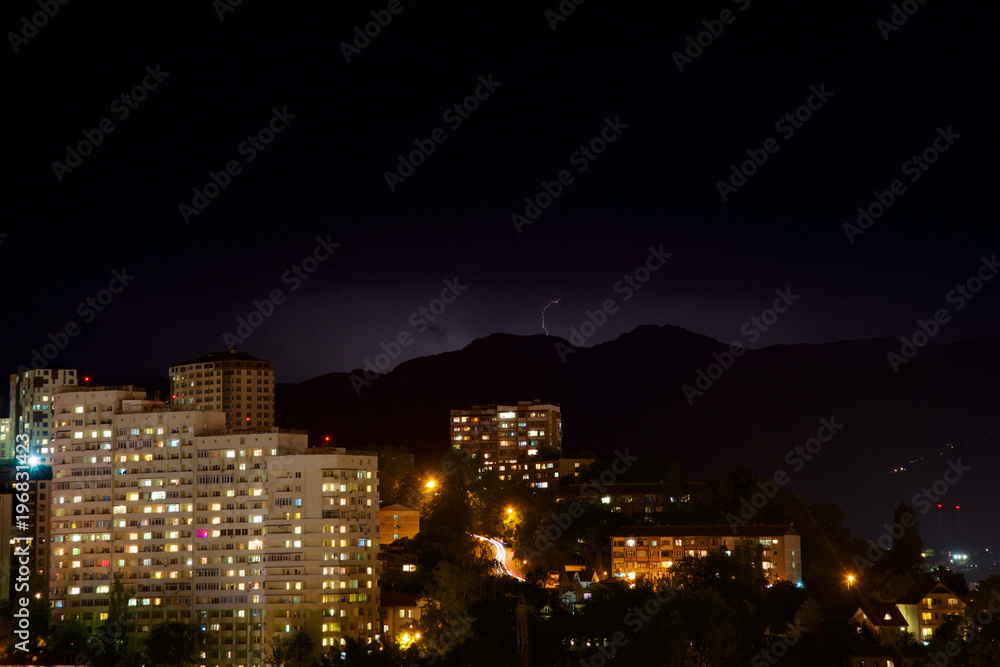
{"x": 501, "y": 555}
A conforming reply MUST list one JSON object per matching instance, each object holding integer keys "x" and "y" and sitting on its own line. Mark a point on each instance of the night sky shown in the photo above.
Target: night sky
{"x": 217, "y": 75}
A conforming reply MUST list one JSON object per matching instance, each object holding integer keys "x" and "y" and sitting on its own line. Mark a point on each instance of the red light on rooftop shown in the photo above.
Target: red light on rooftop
{"x": 939, "y": 505}
{"x": 326, "y": 439}
{"x": 958, "y": 507}
{"x": 86, "y": 378}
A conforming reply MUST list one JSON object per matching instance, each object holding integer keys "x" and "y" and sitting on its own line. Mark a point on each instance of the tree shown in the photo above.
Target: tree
{"x": 114, "y": 643}
{"x": 907, "y": 549}
{"x": 69, "y": 637}
{"x": 292, "y": 651}
{"x": 398, "y": 479}
{"x": 174, "y": 643}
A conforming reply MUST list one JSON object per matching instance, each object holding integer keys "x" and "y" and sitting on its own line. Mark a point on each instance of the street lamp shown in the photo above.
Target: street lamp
{"x": 850, "y": 580}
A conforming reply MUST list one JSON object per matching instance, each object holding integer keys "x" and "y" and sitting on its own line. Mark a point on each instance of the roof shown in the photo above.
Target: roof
{"x": 919, "y": 591}
{"x": 227, "y": 355}
{"x": 705, "y": 531}
{"x": 397, "y": 508}
{"x": 883, "y": 615}
{"x": 394, "y": 599}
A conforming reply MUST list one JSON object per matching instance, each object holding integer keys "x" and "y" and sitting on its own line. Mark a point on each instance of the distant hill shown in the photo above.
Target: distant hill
{"x": 628, "y": 393}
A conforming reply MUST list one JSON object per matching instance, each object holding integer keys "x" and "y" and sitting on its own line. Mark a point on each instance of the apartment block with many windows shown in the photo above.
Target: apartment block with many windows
{"x": 248, "y": 533}
{"x": 32, "y": 393}
{"x": 238, "y": 384}
{"x": 651, "y": 551}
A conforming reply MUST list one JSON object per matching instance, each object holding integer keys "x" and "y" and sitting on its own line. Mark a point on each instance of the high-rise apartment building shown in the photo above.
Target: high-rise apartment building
{"x": 6, "y": 440}
{"x": 249, "y": 533}
{"x": 238, "y": 384}
{"x": 520, "y": 442}
{"x": 31, "y": 396}
{"x": 507, "y": 433}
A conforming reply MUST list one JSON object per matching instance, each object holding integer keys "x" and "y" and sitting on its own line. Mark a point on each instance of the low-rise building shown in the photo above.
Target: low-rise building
{"x": 636, "y": 499}
{"x": 400, "y": 614}
{"x": 651, "y": 551}
{"x": 921, "y": 611}
{"x": 398, "y": 521}
{"x": 926, "y": 606}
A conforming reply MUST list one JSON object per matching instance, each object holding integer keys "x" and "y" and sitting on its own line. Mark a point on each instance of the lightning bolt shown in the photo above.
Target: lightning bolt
{"x": 543, "y": 313}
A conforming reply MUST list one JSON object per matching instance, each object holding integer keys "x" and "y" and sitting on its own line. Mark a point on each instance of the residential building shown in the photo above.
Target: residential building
{"x": 249, "y": 533}
{"x": 398, "y": 521}
{"x": 545, "y": 474}
{"x": 33, "y": 534}
{"x": 236, "y": 383}
{"x": 507, "y": 433}
{"x": 926, "y": 606}
{"x": 518, "y": 442}
{"x": 636, "y": 499}
{"x": 885, "y": 619}
{"x": 650, "y": 551}
{"x": 6, "y": 440}
{"x": 921, "y": 611}
{"x": 400, "y": 614}
{"x": 31, "y": 395}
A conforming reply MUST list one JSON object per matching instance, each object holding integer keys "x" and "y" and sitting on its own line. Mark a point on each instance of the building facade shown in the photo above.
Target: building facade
{"x": 235, "y": 383}
{"x": 398, "y": 521}
{"x": 507, "y": 433}
{"x": 249, "y": 533}
{"x": 32, "y": 393}
{"x": 651, "y": 551}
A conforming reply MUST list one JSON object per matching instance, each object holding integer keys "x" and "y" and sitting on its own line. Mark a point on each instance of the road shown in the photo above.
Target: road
{"x": 502, "y": 556}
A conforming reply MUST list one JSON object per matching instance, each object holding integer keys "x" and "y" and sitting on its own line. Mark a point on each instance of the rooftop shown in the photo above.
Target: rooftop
{"x": 705, "y": 531}
{"x": 227, "y": 355}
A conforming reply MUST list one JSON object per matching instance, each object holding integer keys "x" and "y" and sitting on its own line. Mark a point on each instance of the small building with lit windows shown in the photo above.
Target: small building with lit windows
{"x": 398, "y": 521}
{"x": 651, "y": 551}
{"x": 927, "y": 606}
{"x": 400, "y": 616}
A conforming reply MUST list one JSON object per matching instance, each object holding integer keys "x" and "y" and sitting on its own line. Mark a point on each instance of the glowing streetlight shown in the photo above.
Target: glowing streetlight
{"x": 510, "y": 510}
{"x": 850, "y": 580}
{"x": 431, "y": 484}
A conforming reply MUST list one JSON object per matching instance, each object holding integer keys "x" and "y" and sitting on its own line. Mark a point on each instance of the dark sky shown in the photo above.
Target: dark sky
{"x": 323, "y": 174}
